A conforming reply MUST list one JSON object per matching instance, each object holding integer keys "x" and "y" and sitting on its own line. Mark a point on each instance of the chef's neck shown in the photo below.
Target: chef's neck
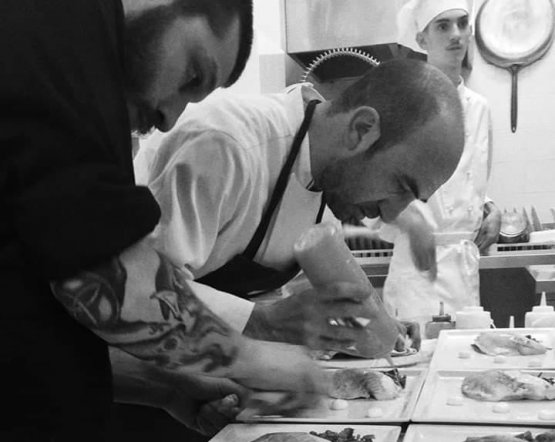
{"x": 451, "y": 68}
{"x": 323, "y": 133}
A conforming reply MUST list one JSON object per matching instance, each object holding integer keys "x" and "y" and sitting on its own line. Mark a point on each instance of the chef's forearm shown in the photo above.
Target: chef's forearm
{"x": 134, "y": 382}
{"x": 143, "y": 305}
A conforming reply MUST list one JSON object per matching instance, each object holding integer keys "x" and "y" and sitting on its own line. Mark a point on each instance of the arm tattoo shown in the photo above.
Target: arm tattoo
{"x": 174, "y": 330}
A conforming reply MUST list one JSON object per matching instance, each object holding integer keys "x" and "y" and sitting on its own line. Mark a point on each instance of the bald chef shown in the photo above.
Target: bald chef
{"x": 241, "y": 177}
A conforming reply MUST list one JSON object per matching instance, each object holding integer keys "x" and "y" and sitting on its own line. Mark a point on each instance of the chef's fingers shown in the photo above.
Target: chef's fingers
{"x": 215, "y": 415}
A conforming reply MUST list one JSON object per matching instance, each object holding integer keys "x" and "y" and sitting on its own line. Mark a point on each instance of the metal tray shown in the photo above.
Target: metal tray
{"x": 444, "y": 384}
{"x": 393, "y": 411}
{"x": 458, "y": 433}
{"x": 452, "y": 342}
{"x": 249, "y": 432}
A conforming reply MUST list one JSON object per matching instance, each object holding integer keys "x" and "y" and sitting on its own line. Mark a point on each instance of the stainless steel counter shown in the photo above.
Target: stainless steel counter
{"x": 500, "y": 256}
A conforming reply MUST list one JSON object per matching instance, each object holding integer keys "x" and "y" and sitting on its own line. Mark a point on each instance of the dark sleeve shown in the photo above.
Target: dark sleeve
{"x": 66, "y": 177}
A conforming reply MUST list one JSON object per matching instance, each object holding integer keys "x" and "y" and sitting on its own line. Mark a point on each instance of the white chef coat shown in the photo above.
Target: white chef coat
{"x": 213, "y": 176}
{"x": 457, "y": 209}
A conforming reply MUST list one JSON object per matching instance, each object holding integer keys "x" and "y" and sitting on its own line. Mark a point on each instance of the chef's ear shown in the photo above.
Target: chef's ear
{"x": 364, "y": 129}
{"x": 421, "y": 40}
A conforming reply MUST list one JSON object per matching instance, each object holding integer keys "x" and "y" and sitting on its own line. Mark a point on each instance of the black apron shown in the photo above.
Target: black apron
{"x": 242, "y": 276}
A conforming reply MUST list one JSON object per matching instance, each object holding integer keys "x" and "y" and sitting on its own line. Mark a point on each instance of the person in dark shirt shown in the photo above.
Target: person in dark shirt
{"x": 76, "y": 77}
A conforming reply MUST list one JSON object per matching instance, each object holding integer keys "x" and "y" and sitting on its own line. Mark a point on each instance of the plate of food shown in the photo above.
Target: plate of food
{"x": 359, "y": 395}
{"x": 495, "y": 348}
{"x": 307, "y": 433}
{"x": 517, "y": 397}
{"x": 468, "y": 433}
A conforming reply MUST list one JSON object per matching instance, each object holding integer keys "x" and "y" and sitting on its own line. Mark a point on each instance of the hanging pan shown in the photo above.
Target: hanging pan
{"x": 512, "y": 34}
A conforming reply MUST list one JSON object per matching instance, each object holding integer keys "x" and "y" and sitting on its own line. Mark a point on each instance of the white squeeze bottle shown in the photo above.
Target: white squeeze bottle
{"x": 542, "y": 315}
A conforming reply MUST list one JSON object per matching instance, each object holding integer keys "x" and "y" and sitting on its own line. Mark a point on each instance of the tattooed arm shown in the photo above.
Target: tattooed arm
{"x": 142, "y": 304}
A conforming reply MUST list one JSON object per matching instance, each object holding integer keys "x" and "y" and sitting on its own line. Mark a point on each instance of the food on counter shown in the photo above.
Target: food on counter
{"x": 497, "y": 385}
{"x": 289, "y": 437}
{"x": 500, "y": 359}
{"x": 374, "y": 412}
{"x": 464, "y": 354}
{"x": 548, "y": 436}
{"x": 547, "y": 415}
{"x": 534, "y": 363}
{"x": 353, "y": 383}
{"x": 339, "y": 404}
{"x": 507, "y": 344}
{"x": 501, "y": 408}
{"x": 455, "y": 401}
{"x": 346, "y": 435}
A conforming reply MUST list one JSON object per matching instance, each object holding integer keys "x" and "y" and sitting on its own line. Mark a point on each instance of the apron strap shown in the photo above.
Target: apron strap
{"x": 281, "y": 183}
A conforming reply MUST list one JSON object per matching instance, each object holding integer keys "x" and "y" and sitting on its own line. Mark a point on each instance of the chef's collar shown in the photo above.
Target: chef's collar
{"x": 303, "y": 93}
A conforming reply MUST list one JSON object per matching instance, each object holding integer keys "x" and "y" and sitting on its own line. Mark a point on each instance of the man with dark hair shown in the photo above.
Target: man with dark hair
{"x": 77, "y": 77}
{"x": 371, "y": 151}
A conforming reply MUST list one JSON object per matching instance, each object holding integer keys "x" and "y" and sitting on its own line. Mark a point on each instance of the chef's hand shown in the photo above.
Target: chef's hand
{"x": 491, "y": 224}
{"x": 417, "y": 224}
{"x": 285, "y": 375}
{"x": 202, "y": 403}
{"x": 306, "y": 316}
{"x": 409, "y": 336}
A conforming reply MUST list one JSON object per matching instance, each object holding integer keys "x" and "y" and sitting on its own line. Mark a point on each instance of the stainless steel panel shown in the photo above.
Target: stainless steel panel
{"x": 312, "y": 25}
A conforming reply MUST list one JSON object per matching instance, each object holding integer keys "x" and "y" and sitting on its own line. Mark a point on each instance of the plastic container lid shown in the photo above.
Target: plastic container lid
{"x": 442, "y": 317}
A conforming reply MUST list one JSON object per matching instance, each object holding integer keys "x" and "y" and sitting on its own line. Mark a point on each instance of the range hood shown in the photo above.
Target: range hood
{"x": 312, "y": 27}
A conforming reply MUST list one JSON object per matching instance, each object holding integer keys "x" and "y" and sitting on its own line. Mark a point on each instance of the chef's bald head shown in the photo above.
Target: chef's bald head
{"x": 407, "y": 94}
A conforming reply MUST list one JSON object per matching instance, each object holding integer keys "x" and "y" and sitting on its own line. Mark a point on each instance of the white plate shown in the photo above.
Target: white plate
{"x": 452, "y": 342}
{"x": 458, "y": 433}
{"x": 411, "y": 357}
{"x": 393, "y": 411}
{"x": 249, "y": 432}
{"x": 442, "y": 385}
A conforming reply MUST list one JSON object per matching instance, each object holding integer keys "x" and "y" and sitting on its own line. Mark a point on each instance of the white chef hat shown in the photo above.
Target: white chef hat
{"x": 415, "y": 15}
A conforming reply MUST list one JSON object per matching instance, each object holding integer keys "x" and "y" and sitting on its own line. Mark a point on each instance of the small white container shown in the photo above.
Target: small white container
{"x": 542, "y": 315}
{"x": 473, "y": 317}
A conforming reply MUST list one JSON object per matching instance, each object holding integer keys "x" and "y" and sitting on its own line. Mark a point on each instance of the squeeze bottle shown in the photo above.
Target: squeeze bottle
{"x": 325, "y": 258}
{"x": 542, "y": 315}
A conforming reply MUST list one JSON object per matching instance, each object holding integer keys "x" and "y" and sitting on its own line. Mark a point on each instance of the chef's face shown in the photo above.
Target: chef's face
{"x": 446, "y": 37}
{"x": 173, "y": 61}
{"x": 383, "y": 181}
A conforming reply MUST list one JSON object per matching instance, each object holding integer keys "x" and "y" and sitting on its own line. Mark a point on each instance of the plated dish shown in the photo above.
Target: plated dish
{"x": 367, "y": 410}
{"x": 250, "y": 432}
{"x": 442, "y": 400}
{"x": 531, "y": 348}
{"x": 459, "y": 433}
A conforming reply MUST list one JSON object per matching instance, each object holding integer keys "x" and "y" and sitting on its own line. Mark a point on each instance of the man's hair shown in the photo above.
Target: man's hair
{"x": 406, "y": 93}
{"x": 219, "y": 14}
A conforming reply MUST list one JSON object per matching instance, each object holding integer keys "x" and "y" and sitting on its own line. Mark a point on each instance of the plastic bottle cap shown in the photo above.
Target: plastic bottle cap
{"x": 543, "y": 307}
{"x": 473, "y": 308}
{"x": 442, "y": 317}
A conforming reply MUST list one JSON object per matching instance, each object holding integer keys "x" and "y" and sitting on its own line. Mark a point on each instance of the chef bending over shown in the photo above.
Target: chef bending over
{"x": 240, "y": 177}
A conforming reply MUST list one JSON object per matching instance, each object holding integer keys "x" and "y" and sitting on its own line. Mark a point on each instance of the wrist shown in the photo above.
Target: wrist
{"x": 270, "y": 322}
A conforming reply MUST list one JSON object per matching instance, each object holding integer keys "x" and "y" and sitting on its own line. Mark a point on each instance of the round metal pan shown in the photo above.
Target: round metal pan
{"x": 513, "y": 34}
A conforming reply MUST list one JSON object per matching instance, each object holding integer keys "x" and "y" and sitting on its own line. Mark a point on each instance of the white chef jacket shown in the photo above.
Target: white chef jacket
{"x": 213, "y": 176}
{"x": 457, "y": 209}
